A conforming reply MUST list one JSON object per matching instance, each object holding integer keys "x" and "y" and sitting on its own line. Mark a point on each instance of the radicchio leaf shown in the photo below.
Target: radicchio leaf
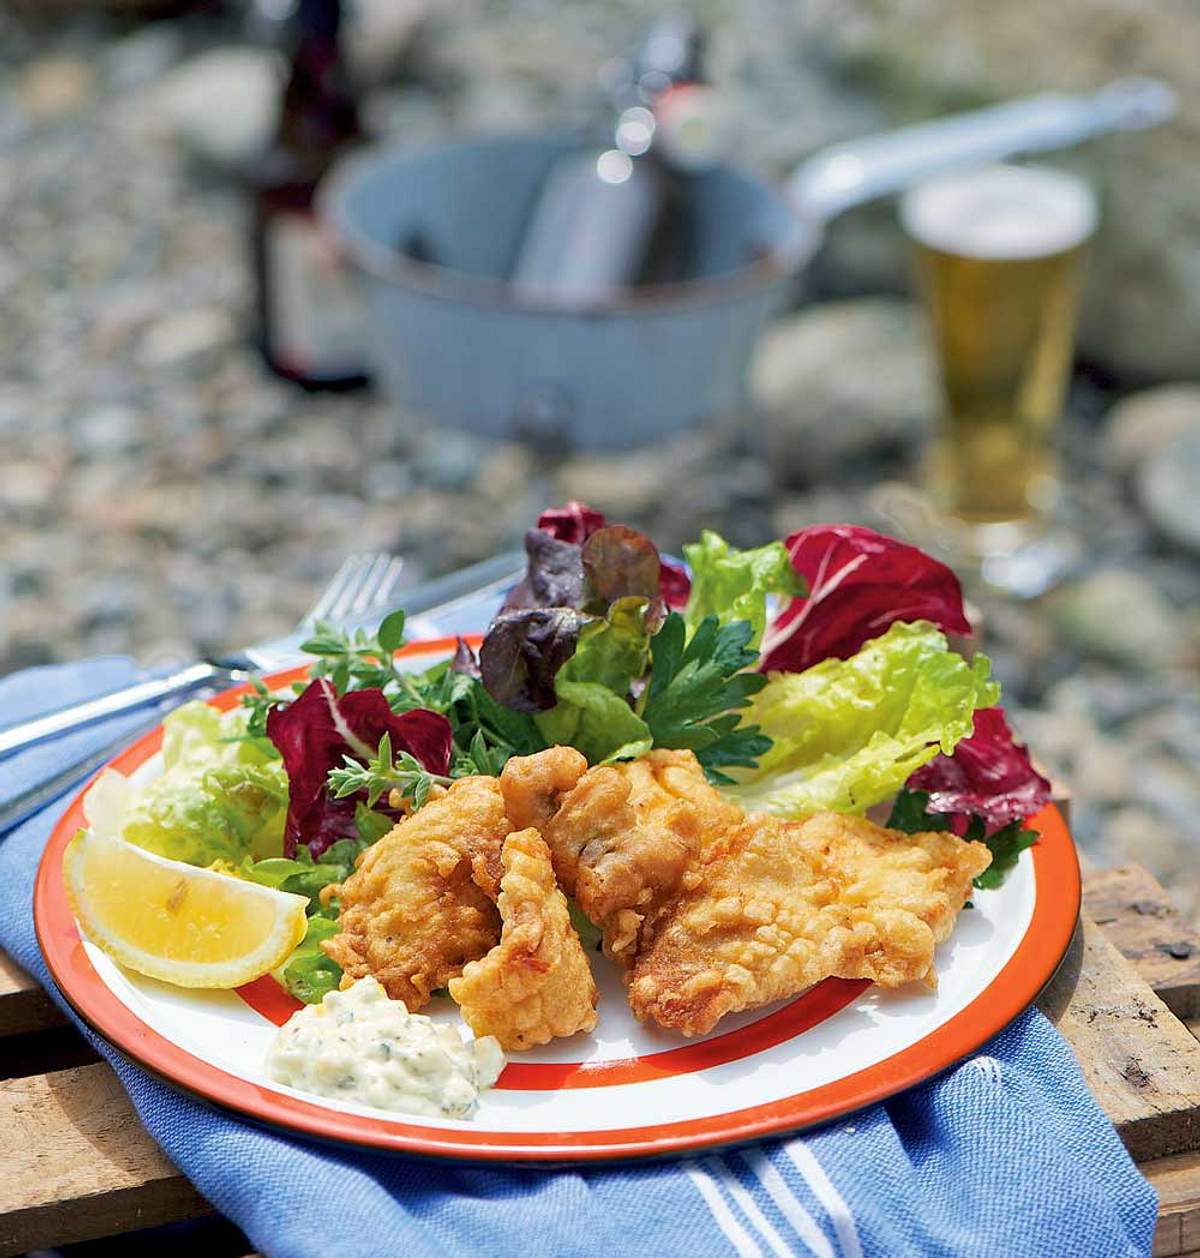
{"x": 989, "y": 776}
{"x": 316, "y": 730}
{"x": 575, "y": 522}
{"x": 524, "y": 650}
{"x": 619, "y": 562}
{"x": 860, "y": 583}
{"x": 674, "y": 585}
{"x": 554, "y": 577}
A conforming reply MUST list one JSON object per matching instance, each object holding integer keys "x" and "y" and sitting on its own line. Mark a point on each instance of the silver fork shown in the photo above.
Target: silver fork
{"x": 361, "y": 588}
{"x": 364, "y": 583}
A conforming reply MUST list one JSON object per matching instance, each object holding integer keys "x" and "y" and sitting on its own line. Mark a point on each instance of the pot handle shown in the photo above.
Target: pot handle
{"x": 845, "y": 175}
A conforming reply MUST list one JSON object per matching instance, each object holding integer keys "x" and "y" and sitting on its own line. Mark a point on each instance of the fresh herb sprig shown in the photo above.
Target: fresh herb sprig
{"x": 358, "y": 660}
{"x": 259, "y": 703}
{"x": 383, "y": 773}
{"x": 911, "y": 814}
{"x": 486, "y": 734}
{"x": 697, "y": 687}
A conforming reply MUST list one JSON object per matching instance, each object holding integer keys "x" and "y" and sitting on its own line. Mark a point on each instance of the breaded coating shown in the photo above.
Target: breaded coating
{"x": 536, "y": 983}
{"x": 533, "y": 786}
{"x": 420, "y": 905}
{"x": 775, "y": 906}
{"x": 622, "y": 835}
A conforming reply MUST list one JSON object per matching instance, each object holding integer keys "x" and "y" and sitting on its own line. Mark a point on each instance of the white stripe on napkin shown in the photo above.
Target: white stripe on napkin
{"x": 721, "y": 1213}
{"x": 790, "y": 1206}
{"x": 989, "y": 1067}
{"x": 823, "y": 1189}
{"x": 749, "y": 1206}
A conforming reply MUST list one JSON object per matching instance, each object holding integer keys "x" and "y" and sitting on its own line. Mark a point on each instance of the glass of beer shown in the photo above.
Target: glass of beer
{"x": 999, "y": 258}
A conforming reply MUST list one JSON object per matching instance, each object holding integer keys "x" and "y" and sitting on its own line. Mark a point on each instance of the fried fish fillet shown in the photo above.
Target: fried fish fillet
{"x": 420, "y": 905}
{"x": 536, "y": 983}
{"x": 775, "y": 906}
{"x": 621, "y": 835}
{"x": 534, "y": 786}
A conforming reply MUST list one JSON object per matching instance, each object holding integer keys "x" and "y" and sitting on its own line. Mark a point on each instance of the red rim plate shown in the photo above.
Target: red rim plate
{"x": 1033, "y": 963}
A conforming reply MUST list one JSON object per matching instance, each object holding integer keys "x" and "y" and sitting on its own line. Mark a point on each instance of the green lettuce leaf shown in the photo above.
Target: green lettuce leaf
{"x": 592, "y": 711}
{"x": 305, "y": 876}
{"x": 223, "y": 813}
{"x": 733, "y": 584}
{"x": 848, "y": 733}
{"x": 595, "y": 721}
{"x": 371, "y": 826}
{"x": 222, "y": 796}
{"x": 590, "y": 935}
{"x": 308, "y": 973}
{"x": 198, "y": 736}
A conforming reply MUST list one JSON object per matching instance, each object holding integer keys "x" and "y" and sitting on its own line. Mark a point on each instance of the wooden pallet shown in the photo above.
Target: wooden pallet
{"x": 79, "y": 1165}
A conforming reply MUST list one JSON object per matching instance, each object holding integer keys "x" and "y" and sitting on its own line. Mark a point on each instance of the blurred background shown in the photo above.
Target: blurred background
{"x": 164, "y": 493}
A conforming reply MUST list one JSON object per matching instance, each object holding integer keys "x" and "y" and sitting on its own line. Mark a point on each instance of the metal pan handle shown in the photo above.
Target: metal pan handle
{"x": 846, "y": 175}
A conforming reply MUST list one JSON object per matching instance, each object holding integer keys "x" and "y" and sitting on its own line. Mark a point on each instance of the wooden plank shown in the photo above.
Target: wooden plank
{"x": 78, "y": 1164}
{"x": 1141, "y": 1064}
{"x": 41, "y": 1052}
{"x": 24, "y": 1006}
{"x": 1177, "y": 1182}
{"x": 1167, "y": 1242}
{"x": 1139, "y": 917}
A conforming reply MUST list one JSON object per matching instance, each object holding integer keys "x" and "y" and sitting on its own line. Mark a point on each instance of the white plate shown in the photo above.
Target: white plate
{"x": 626, "y": 1089}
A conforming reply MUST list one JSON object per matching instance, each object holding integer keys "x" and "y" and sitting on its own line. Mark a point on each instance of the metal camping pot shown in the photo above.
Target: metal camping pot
{"x": 453, "y": 343}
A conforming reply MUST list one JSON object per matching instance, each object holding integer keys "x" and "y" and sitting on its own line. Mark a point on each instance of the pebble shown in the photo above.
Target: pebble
{"x": 190, "y": 334}
{"x": 1140, "y": 835}
{"x": 107, "y": 431}
{"x": 53, "y": 87}
{"x": 1101, "y": 770}
{"x": 246, "y": 83}
{"x": 1142, "y": 423}
{"x": 1168, "y": 488}
{"x": 841, "y": 381}
{"x": 379, "y": 33}
{"x": 1117, "y": 614}
{"x": 450, "y": 460}
{"x": 142, "y": 56}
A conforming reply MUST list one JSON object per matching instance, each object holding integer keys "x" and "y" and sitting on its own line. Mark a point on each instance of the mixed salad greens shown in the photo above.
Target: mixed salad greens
{"x": 810, "y": 674}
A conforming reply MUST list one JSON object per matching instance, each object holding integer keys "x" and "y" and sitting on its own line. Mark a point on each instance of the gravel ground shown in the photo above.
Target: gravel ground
{"x": 161, "y": 495}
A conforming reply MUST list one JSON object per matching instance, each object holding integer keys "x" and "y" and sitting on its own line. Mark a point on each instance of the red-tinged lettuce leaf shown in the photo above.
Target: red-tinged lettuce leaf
{"x": 523, "y": 652}
{"x": 619, "y": 562}
{"x": 465, "y": 661}
{"x": 574, "y": 523}
{"x": 316, "y": 730}
{"x": 553, "y": 577}
{"x": 674, "y": 585}
{"x": 989, "y": 776}
{"x": 860, "y": 583}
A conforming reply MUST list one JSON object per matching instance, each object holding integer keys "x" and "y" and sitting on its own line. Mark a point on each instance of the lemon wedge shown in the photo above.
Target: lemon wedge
{"x": 188, "y": 926}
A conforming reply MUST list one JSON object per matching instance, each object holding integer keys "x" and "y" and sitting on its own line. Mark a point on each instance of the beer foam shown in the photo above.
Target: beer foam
{"x": 1001, "y": 213}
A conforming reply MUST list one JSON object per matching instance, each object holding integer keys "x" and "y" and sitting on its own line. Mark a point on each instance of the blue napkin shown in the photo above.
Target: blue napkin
{"x": 1007, "y": 1153}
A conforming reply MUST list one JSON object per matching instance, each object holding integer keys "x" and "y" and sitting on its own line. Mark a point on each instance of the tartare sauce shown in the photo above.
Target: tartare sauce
{"x": 359, "y": 1046}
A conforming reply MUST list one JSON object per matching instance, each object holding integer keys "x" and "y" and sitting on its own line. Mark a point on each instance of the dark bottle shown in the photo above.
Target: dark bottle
{"x": 310, "y": 324}
{"x": 612, "y": 217}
